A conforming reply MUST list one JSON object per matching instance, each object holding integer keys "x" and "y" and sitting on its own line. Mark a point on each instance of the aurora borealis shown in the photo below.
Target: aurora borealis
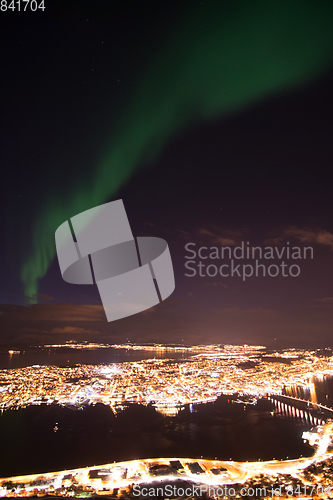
{"x": 216, "y": 58}
{"x": 211, "y": 120}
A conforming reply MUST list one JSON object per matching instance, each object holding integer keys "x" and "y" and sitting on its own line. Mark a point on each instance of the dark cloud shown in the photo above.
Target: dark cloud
{"x": 40, "y": 323}
{"x": 220, "y": 237}
{"x": 56, "y": 312}
{"x": 325, "y": 302}
{"x": 315, "y": 236}
{"x": 173, "y": 321}
{"x": 71, "y": 329}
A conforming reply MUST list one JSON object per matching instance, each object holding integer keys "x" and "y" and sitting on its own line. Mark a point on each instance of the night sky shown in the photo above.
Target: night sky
{"x": 213, "y": 122}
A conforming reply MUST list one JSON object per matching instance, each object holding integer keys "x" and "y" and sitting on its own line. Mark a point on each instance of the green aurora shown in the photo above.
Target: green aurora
{"x": 224, "y": 56}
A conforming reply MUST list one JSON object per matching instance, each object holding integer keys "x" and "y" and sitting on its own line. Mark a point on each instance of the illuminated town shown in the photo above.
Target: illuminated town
{"x": 217, "y": 479}
{"x": 203, "y": 374}
{"x": 168, "y": 384}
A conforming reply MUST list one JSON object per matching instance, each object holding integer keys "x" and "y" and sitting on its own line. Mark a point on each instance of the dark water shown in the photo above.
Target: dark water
{"x": 319, "y": 391}
{"x": 61, "y": 357}
{"x": 95, "y": 435}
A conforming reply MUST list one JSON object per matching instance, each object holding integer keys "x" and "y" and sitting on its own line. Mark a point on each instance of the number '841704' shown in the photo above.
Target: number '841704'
{"x": 22, "y": 5}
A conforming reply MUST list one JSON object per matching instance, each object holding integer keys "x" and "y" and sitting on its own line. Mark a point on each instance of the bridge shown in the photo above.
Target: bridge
{"x": 308, "y": 411}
